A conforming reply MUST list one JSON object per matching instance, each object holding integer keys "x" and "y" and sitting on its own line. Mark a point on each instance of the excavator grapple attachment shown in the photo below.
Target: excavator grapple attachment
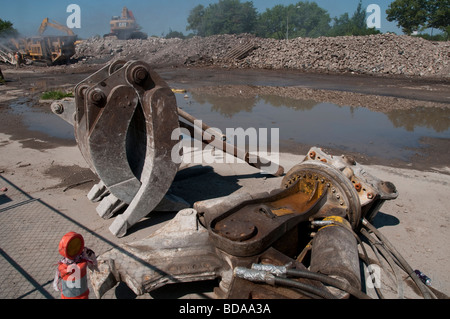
{"x": 124, "y": 116}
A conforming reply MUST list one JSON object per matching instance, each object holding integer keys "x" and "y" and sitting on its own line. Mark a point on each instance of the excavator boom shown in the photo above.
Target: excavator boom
{"x": 46, "y": 22}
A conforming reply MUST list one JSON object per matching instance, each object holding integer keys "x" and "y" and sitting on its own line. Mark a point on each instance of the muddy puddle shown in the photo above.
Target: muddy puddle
{"x": 394, "y": 135}
{"x": 38, "y": 120}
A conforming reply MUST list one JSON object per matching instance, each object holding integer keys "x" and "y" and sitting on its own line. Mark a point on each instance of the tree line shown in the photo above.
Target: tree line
{"x": 304, "y": 19}
{"x": 6, "y": 29}
{"x": 417, "y": 15}
{"x": 307, "y": 19}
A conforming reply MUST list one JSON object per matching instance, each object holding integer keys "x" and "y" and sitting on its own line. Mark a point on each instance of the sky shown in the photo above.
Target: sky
{"x": 155, "y": 17}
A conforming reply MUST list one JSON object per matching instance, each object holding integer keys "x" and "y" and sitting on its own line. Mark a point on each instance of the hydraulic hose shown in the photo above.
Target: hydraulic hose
{"x": 265, "y": 277}
{"x": 280, "y": 270}
{"x": 365, "y": 259}
{"x": 406, "y": 267}
{"x": 299, "y": 285}
{"x": 329, "y": 281}
{"x": 388, "y": 256}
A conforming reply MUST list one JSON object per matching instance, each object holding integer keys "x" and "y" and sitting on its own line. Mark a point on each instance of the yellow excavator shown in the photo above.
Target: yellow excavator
{"x": 50, "y": 50}
{"x": 47, "y": 22}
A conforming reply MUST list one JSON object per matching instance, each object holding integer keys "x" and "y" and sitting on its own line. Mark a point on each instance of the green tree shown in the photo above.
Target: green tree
{"x": 6, "y": 29}
{"x": 342, "y": 25}
{"x": 410, "y": 15}
{"x": 417, "y": 15}
{"x": 439, "y": 15}
{"x": 304, "y": 19}
{"x": 195, "y": 20}
{"x": 224, "y": 17}
{"x": 272, "y": 23}
{"x": 308, "y": 20}
{"x": 356, "y": 25}
{"x": 359, "y": 17}
{"x": 175, "y": 34}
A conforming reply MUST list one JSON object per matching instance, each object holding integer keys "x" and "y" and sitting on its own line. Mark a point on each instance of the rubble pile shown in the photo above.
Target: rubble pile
{"x": 374, "y": 54}
{"x": 163, "y": 52}
{"x": 386, "y": 54}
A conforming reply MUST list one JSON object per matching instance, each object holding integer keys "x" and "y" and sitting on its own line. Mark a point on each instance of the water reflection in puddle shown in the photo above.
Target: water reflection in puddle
{"x": 35, "y": 119}
{"x": 352, "y": 129}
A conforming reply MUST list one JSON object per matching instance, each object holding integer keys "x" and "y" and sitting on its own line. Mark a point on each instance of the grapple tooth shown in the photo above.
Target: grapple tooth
{"x": 159, "y": 106}
{"x": 109, "y": 206}
{"x": 98, "y": 192}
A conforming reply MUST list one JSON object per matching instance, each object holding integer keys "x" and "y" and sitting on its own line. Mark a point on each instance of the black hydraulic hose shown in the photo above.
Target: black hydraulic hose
{"x": 406, "y": 267}
{"x": 387, "y": 255}
{"x": 329, "y": 281}
{"x": 282, "y": 271}
{"x": 366, "y": 260}
{"x": 255, "y": 275}
{"x": 308, "y": 288}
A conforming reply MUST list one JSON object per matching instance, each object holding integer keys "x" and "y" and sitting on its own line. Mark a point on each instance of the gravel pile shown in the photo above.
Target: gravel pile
{"x": 162, "y": 52}
{"x": 385, "y": 54}
{"x": 375, "y": 54}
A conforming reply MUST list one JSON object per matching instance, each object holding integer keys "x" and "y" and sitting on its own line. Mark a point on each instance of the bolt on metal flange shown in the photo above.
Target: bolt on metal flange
{"x": 97, "y": 97}
{"x": 139, "y": 74}
{"x": 57, "y": 108}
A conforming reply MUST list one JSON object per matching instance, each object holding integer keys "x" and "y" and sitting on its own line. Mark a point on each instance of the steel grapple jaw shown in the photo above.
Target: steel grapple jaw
{"x": 124, "y": 117}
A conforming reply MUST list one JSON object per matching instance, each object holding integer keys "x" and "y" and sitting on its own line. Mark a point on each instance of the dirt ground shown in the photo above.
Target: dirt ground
{"x": 417, "y": 222}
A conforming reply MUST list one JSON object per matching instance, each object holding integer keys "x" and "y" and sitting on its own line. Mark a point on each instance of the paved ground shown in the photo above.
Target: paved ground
{"x": 30, "y": 231}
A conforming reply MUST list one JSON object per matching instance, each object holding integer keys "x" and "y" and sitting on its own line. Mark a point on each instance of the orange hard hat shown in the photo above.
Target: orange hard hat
{"x": 71, "y": 245}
